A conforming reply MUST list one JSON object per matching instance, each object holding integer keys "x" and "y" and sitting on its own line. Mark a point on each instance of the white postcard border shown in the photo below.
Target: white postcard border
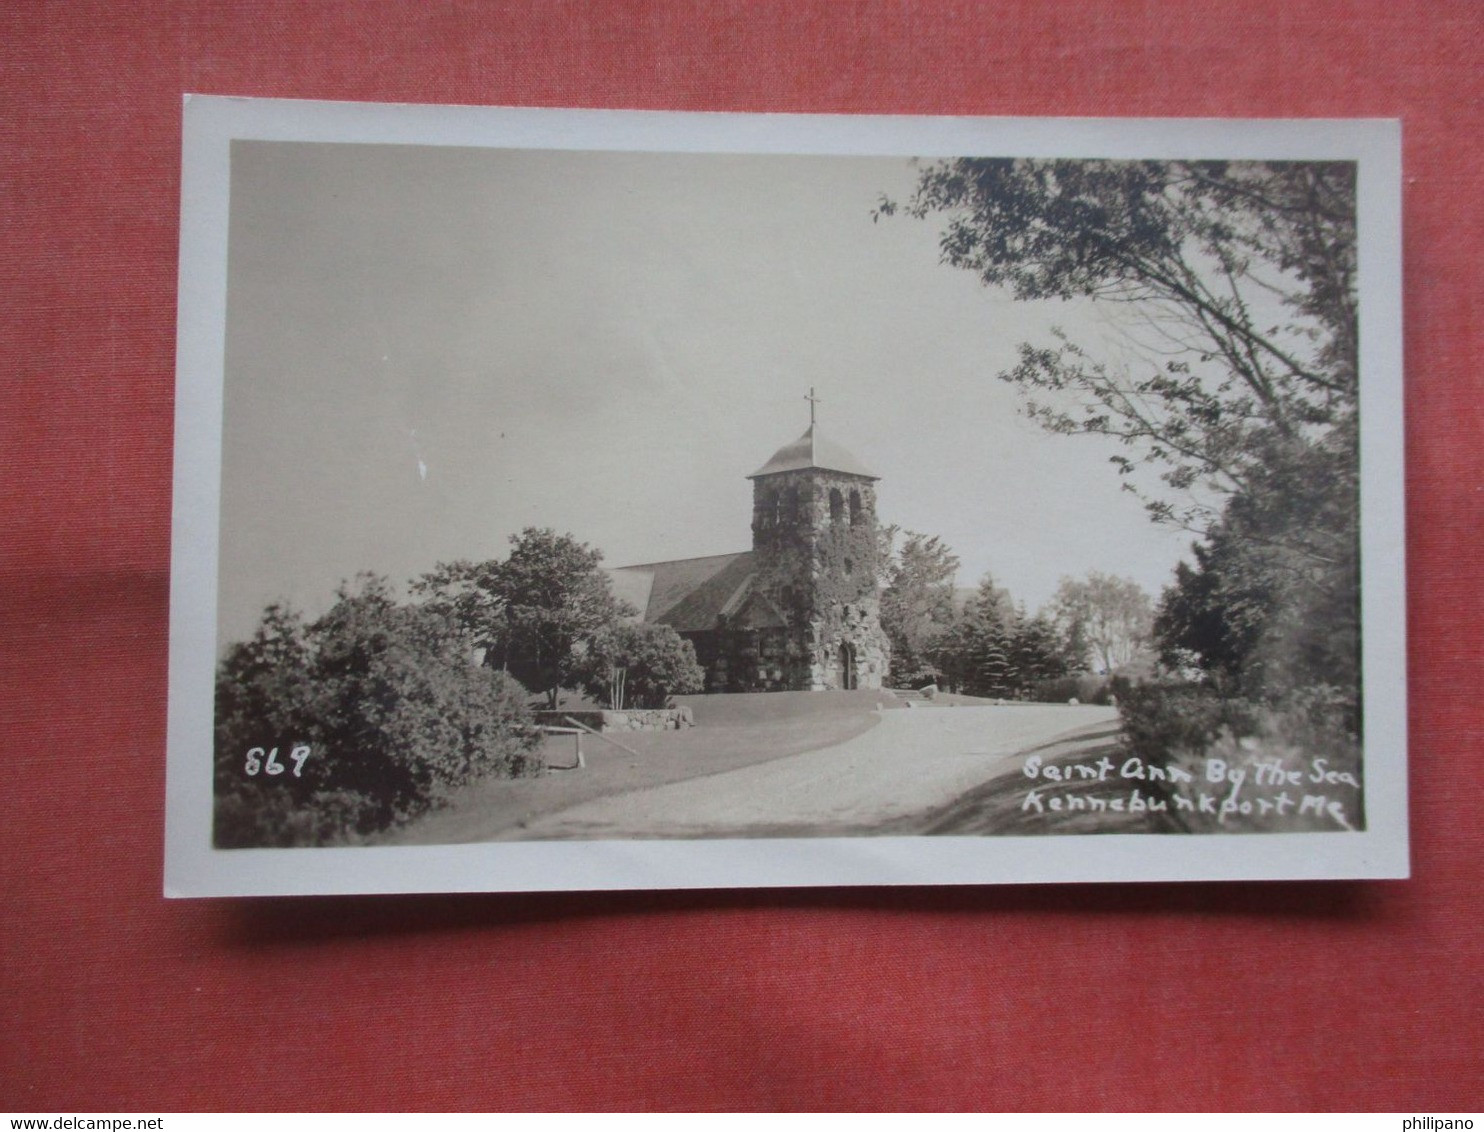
{"x": 194, "y": 868}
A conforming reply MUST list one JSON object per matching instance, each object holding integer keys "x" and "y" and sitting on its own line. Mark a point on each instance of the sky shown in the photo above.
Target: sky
{"x": 431, "y": 348}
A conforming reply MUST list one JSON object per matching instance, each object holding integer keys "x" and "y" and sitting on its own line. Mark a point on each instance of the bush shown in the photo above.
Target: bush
{"x": 263, "y": 817}
{"x": 1094, "y": 689}
{"x": 1165, "y": 721}
{"x": 640, "y": 666}
{"x": 1058, "y": 690}
{"x": 1321, "y": 717}
{"x": 1183, "y": 725}
{"x": 387, "y": 702}
{"x": 912, "y": 677}
{"x": 1084, "y": 687}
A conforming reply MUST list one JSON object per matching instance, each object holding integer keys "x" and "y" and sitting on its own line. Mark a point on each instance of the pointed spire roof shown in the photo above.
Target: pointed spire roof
{"x": 813, "y": 451}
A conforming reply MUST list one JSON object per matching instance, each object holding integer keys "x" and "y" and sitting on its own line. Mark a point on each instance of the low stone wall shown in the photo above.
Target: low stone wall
{"x": 636, "y": 719}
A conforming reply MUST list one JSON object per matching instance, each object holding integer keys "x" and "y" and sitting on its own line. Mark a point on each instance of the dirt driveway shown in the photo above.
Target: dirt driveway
{"x": 913, "y": 762}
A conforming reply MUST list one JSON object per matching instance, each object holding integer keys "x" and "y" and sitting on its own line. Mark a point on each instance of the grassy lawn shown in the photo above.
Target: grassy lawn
{"x": 731, "y": 731}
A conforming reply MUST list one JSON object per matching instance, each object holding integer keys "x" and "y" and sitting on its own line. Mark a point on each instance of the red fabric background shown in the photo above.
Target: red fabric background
{"x": 1300, "y": 995}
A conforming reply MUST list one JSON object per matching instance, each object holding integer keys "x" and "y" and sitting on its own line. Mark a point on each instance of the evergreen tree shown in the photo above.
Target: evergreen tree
{"x": 1036, "y": 654}
{"x": 984, "y": 641}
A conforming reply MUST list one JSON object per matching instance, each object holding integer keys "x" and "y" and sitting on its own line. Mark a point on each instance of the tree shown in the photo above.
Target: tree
{"x": 1238, "y": 280}
{"x": 1112, "y": 616}
{"x": 990, "y": 673}
{"x": 1258, "y": 615}
{"x": 975, "y": 653}
{"x": 534, "y": 613}
{"x": 917, "y": 605}
{"x": 1209, "y": 621}
{"x": 952, "y": 653}
{"x": 994, "y": 649}
{"x": 640, "y": 666}
{"x": 1234, "y": 375}
{"x": 1037, "y": 654}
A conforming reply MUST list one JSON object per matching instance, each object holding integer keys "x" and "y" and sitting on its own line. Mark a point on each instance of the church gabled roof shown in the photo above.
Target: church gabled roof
{"x": 689, "y": 594}
{"x": 697, "y": 594}
{"x": 811, "y": 451}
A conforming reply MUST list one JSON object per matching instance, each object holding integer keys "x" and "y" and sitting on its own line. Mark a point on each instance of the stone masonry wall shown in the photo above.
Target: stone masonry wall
{"x": 639, "y": 719}
{"x": 817, "y": 556}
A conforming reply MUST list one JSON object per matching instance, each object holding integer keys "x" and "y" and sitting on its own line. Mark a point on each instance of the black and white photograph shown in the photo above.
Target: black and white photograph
{"x": 594, "y": 500}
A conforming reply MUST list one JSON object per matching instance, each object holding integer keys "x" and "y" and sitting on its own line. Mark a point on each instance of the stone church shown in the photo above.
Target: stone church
{"x": 799, "y": 611}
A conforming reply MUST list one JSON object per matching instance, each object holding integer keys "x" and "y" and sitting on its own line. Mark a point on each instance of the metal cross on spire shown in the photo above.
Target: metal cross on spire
{"x": 813, "y": 400}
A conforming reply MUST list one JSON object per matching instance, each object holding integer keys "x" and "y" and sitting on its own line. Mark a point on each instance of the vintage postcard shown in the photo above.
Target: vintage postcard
{"x": 588, "y": 500}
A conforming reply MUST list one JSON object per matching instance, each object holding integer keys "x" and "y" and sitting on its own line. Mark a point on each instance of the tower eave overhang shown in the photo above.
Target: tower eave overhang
{"x": 813, "y": 452}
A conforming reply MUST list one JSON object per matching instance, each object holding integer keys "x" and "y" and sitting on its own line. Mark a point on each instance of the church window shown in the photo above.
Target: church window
{"x": 849, "y": 567}
{"x": 837, "y": 505}
{"x": 791, "y": 505}
{"x": 768, "y": 508}
{"x": 857, "y": 512}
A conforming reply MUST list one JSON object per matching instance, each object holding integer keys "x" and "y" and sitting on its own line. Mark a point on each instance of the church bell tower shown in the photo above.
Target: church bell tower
{"x": 816, "y": 552}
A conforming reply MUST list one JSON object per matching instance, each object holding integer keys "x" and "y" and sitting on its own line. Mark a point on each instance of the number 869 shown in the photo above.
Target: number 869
{"x": 268, "y": 762}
